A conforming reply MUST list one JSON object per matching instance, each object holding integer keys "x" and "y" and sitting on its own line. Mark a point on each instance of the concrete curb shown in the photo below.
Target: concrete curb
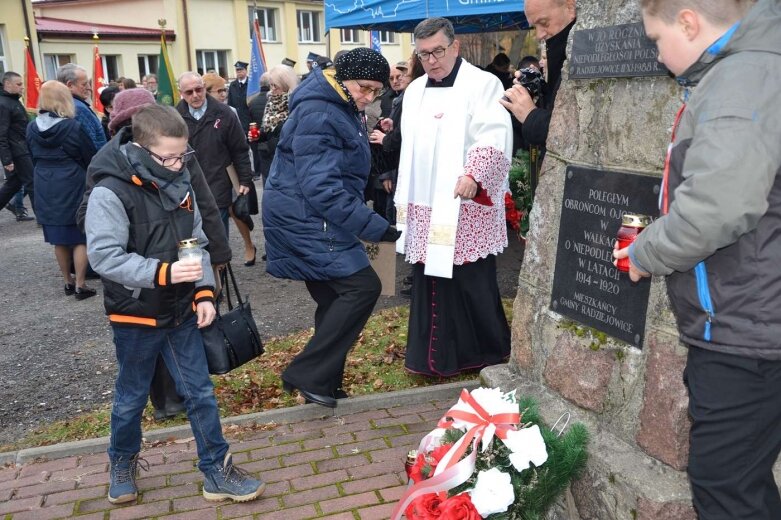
{"x": 279, "y": 416}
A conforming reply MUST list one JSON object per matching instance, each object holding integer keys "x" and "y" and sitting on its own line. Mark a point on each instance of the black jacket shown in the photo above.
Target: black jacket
{"x": 257, "y": 106}
{"x": 218, "y": 141}
{"x": 535, "y": 128}
{"x": 155, "y": 233}
{"x": 219, "y": 250}
{"x": 13, "y": 126}
{"x": 237, "y": 98}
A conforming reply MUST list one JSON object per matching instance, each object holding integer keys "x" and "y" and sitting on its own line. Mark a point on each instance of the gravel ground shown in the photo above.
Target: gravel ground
{"x": 56, "y": 354}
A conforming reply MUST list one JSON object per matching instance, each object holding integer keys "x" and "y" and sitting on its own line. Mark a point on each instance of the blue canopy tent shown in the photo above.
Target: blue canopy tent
{"x": 468, "y": 16}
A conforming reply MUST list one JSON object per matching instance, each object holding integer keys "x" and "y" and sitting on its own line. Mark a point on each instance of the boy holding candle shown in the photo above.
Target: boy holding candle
{"x": 717, "y": 242}
{"x": 141, "y": 207}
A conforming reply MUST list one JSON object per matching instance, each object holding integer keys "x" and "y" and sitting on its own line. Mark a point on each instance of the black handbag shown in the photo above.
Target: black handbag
{"x": 232, "y": 339}
{"x": 241, "y": 209}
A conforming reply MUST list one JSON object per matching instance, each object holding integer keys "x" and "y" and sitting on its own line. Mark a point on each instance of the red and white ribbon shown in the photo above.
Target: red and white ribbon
{"x": 452, "y": 470}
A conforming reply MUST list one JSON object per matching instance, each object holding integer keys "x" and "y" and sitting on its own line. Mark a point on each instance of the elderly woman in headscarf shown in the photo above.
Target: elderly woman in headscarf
{"x": 215, "y": 87}
{"x": 314, "y": 216}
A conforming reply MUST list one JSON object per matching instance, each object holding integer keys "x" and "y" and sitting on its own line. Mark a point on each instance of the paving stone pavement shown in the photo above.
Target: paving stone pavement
{"x": 339, "y": 467}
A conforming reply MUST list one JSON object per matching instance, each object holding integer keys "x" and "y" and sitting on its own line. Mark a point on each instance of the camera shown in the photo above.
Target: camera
{"x": 531, "y": 79}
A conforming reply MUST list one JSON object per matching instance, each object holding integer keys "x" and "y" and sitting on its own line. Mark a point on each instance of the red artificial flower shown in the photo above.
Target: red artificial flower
{"x": 511, "y": 213}
{"x": 416, "y": 471}
{"x": 425, "y": 507}
{"x": 509, "y": 203}
{"x": 459, "y": 507}
{"x": 425, "y": 466}
{"x": 440, "y": 452}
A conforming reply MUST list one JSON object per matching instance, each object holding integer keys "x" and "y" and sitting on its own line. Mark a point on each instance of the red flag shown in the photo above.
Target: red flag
{"x": 98, "y": 81}
{"x": 33, "y": 85}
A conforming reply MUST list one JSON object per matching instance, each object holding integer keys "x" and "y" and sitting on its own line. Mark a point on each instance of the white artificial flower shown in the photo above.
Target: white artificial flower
{"x": 527, "y": 445}
{"x": 493, "y": 492}
{"x": 494, "y": 402}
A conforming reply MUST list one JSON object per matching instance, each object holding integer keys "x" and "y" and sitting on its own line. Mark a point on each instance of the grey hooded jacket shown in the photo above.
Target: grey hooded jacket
{"x": 720, "y": 243}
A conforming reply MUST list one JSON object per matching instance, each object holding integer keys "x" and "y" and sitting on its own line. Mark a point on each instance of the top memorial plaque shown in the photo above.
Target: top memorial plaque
{"x": 618, "y": 51}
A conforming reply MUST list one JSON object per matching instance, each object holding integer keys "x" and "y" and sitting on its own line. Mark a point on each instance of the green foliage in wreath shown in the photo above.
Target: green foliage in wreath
{"x": 521, "y": 187}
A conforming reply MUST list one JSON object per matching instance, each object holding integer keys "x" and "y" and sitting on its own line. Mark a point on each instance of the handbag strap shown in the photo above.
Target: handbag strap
{"x": 223, "y": 285}
{"x": 235, "y": 285}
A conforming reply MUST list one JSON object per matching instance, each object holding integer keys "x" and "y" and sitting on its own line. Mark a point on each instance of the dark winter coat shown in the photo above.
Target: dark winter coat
{"x": 535, "y": 128}
{"x": 257, "y": 106}
{"x": 61, "y": 152}
{"x": 237, "y": 98}
{"x": 111, "y": 155}
{"x": 313, "y": 208}
{"x": 90, "y": 122}
{"x": 218, "y": 141}
{"x": 13, "y": 127}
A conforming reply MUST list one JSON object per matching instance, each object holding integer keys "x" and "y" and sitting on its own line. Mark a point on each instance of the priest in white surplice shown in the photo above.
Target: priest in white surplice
{"x": 456, "y": 142}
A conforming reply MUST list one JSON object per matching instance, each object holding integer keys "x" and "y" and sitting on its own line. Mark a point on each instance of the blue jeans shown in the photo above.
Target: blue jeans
{"x": 182, "y": 350}
{"x": 18, "y": 200}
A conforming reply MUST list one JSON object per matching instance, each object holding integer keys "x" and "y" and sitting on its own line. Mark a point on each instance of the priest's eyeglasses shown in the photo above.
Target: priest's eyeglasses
{"x": 167, "y": 162}
{"x": 438, "y": 53}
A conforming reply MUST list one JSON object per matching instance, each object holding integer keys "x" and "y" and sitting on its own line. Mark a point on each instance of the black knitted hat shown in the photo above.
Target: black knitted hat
{"x": 362, "y": 63}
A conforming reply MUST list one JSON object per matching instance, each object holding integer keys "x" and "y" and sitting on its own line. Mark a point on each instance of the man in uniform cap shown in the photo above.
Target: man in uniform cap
{"x": 288, "y": 62}
{"x": 311, "y": 59}
{"x": 237, "y": 94}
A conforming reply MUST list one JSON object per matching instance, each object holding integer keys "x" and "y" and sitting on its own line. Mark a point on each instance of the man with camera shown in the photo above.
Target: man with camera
{"x": 553, "y": 20}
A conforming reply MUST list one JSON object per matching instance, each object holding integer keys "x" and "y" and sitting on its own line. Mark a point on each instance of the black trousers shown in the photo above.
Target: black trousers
{"x": 21, "y": 176}
{"x": 735, "y": 405}
{"x": 343, "y": 307}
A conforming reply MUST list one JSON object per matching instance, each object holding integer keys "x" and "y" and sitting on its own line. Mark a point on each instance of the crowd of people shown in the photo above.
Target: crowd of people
{"x": 417, "y": 154}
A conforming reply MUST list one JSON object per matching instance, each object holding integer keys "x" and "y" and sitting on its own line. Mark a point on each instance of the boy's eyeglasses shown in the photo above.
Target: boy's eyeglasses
{"x": 170, "y": 161}
{"x": 191, "y": 91}
{"x": 437, "y": 53}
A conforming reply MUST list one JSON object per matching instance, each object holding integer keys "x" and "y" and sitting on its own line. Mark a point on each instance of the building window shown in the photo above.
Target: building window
{"x": 110, "y": 69}
{"x": 212, "y": 61}
{"x": 267, "y": 23}
{"x": 147, "y": 64}
{"x": 52, "y": 62}
{"x": 308, "y": 26}
{"x": 387, "y": 37}
{"x": 351, "y": 36}
{"x": 3, "y": 62}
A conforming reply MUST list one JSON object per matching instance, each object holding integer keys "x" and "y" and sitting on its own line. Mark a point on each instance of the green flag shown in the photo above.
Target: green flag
{"x": 167, "y": 90}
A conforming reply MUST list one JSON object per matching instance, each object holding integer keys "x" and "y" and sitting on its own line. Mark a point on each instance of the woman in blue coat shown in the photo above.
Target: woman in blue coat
{"x": 61, "y": 152}
{"x": 314, "y": 215}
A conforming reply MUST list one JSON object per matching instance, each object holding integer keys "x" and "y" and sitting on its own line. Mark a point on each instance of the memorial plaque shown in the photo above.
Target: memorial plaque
{"x": 586, "y": 286}
{"x": 618, "y": 51}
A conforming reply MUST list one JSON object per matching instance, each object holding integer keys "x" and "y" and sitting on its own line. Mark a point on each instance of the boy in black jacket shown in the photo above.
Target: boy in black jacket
{"x": 137, "y": 214}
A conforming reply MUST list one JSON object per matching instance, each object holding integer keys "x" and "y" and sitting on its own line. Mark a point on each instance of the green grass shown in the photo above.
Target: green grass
{"x": 376, "y": 364}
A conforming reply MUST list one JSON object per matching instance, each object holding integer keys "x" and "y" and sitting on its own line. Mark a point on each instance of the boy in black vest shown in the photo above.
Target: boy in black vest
{"x": 139, "y": 210}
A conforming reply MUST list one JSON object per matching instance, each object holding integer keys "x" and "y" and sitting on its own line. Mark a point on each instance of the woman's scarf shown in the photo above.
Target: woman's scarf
{"x": 276, "y": 112}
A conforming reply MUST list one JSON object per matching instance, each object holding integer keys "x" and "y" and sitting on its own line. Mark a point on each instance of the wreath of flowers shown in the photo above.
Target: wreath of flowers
{"x": 490, "y": 457}
{"x": 518, "y": 201}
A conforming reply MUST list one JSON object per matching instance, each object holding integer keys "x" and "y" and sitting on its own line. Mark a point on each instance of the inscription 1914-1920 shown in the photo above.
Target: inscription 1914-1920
{"x": 586, "y": 286}
{"x": 618, "y": 51}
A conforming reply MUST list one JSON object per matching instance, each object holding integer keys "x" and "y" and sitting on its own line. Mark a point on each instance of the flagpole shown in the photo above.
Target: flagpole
{"x": 98, "y": 74}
